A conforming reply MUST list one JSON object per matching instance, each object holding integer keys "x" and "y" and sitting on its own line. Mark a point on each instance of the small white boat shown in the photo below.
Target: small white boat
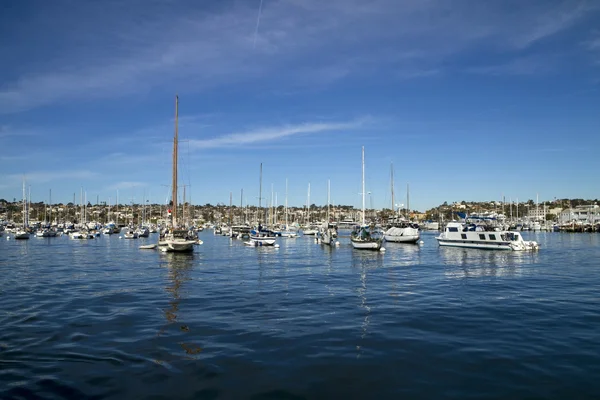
{"x": 130, "y": 234}
{"x": 177, "y": 240}
{"x": 403, "y": 234}
{"x": 365, "y": 237}
{"x": 310, "y": 231}
{"x": 263, "y": 239}
{"x": 78, "y": 235}
{"x": 326, "y": 235}
{"x": 21, "y": 235}
{"x": 45, "y": 233}
{"x": 143, "y": 232}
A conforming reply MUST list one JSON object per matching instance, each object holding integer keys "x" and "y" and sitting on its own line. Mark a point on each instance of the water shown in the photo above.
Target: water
{"x": 103, "y": 319}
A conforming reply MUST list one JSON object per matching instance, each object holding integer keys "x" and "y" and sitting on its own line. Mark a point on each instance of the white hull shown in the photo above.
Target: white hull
{"x": 457, "y": 235}
{"x": 366, "y": 245}
{"x": 499, "y": 246}
{"x": 309, "y": 232}
{"x": 402, "y": 239}
{"x": 289, "y": 234}
{"x": 263, "y": 241}
{"x": 402, "y": 235}
{"x": 179, "y": 246}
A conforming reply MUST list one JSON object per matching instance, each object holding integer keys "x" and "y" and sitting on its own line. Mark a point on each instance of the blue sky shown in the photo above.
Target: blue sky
{"x": 470, "y": 100}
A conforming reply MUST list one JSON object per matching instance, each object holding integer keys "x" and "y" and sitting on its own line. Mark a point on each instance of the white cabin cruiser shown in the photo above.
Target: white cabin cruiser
{"x": 458, "y": 234}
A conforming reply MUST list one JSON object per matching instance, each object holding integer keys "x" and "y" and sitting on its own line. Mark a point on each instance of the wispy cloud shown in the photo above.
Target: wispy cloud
{"x": 271, "y": 134}
{"x": 530, "y": 65}
{"x": 126, "y": 185}
{"x": 129, "y": 49}
{"x": 50, "y": 176}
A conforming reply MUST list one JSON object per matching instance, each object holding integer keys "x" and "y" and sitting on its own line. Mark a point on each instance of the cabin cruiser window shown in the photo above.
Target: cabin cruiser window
{"x": 463, "y": 235}
{"x": 481, "y": 236}
{"x": 492, "y": 237}
{"x": 452, "y": 229}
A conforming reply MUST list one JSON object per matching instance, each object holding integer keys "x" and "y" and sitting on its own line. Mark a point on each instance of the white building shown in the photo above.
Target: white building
{"x": 580, "y": 215}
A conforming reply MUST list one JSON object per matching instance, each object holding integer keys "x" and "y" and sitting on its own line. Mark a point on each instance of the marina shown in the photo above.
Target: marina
{"x": 299, "y": 200}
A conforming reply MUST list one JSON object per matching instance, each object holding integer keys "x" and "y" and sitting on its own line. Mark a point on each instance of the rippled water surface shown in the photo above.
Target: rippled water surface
{"x": 104, "y": 319}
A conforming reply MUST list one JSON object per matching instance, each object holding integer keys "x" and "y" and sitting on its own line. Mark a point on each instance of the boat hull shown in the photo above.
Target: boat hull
{"x": 474, "y": 245}
{"x": 179, "y": 246}
{"x": 21, "y": 236}
{"x": 409, "y": 238}
{"x": 263, "y": 241}
{"x": 366, "y": 245}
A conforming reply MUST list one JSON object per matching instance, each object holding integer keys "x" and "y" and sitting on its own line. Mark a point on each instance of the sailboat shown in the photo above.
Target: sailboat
{"x": 176, "y": 239}
{"x": 287, "y": 232}
{"x": 23, "y": 233}
{"x": 365, "y": 237}
{"x": 260, "y": 237}
{"x": 327, "y": 232}
{"x": 401, "y": 230}
{"x": 309, "y": 229}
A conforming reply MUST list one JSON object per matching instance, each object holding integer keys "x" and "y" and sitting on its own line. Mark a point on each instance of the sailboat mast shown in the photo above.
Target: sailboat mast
{"x": 363, "y": 186}
{"x": 308, "y": 204}
{"x": 407, "y": 203}
{"x": 328, "y": 197}
{"x": 260, "y": 195}
{"x": 392, "y": 184}
{"x": 175, "y": 145}
{"x": 24, "y": 206}
{"x": 286, "y": 203}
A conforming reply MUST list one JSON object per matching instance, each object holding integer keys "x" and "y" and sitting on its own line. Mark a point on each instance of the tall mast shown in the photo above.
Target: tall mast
{"x": 407, "y": 203}
{"x": 392, "y": 184}
{"x": 230, "y": 205}
{"x": 175, "y": 145}
{"x": 260, "y": 195}
{"x": 286, "y": 203}
{"x": 363, "y": 185}
{"x": 328, "y": 198}
{"x": 308, "y": 205}
{"x": 24, "y": 206}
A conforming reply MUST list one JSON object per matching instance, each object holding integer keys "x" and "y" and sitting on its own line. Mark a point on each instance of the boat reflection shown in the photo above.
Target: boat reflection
{"x": 463, "y": 263}
{"x": 179, "y": 267}
{"x": 402, "y": 254}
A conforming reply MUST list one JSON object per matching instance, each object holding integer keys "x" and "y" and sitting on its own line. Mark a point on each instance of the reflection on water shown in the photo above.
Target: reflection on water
{"x": 402, "y": 254}
{"x": 179, "y": 267}
{"x": 479, "y": 262}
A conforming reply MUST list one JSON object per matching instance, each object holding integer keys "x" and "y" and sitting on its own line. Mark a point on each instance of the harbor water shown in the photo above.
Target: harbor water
{"x": 102, "y": 318}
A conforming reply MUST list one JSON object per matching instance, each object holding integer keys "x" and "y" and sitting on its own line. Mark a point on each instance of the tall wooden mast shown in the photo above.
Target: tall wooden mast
{"x": 175, "y": 145}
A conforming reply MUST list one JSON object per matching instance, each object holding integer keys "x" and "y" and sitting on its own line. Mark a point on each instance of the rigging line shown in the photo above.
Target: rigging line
{"x": 257, "y": 23}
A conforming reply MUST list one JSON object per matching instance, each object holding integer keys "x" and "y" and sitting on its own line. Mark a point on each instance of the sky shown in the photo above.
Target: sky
{"x": 462, "y": 100}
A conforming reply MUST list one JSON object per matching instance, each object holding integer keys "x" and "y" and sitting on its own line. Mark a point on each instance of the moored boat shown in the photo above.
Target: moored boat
{"x": 458, "y": 234}
{"x": 365, "y": 237}
{"x": 405, "y": 233}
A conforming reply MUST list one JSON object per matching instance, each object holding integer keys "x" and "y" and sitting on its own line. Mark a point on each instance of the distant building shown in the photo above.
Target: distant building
{"x": 580, "y": 215}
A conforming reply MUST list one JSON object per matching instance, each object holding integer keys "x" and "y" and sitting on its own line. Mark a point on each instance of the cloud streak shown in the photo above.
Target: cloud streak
{"x": 129, "y": 49}
{"x": 45, "y": 176}
{"x": 271, "y": 134}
